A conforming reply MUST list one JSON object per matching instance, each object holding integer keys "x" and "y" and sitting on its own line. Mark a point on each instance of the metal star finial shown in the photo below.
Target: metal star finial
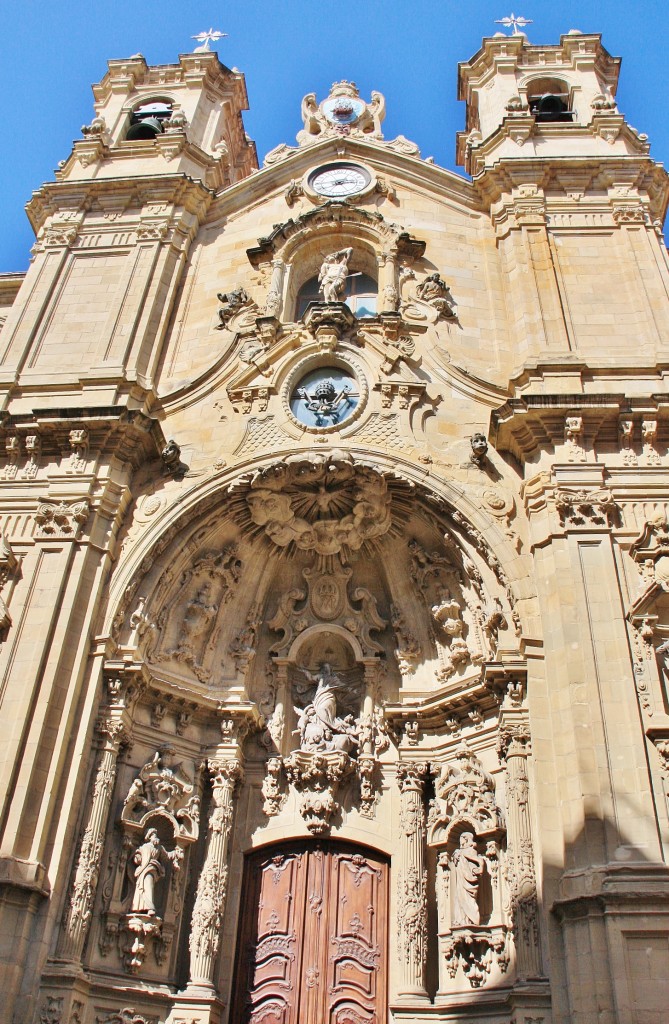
{"x": 514, "y": 23}
{"x": 204, "y": 38}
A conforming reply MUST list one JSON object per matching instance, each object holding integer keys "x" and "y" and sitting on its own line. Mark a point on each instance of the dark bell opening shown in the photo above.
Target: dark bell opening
{"x": 146, "y": 129}
{"x": 147, "y": 120}
{"x": 550, "y": 108}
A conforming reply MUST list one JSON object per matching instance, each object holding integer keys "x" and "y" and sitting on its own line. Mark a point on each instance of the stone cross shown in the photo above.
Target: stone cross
{"x": 204, "y": 38}
{"x": 514, "y": 23}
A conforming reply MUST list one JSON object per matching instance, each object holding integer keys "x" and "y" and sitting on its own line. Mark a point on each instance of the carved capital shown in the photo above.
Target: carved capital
{"x": 62, "y": 521}
{"x": 513, "y": 741}
{"x": 580, "y": 508}
{"x": 411, "y": 776}
{"x": 225, "y": 773}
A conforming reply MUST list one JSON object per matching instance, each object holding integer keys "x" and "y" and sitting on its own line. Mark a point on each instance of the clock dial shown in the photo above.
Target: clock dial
{"x": 339, "y": 180}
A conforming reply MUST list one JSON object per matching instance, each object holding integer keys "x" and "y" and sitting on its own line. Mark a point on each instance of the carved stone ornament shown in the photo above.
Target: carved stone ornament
{"x": 187, "y": 628}
{"x": 163, "y": 786}
{"x": 316, "y": 777}
{"x": 52, "y": 1010}
{"x": 97, "y": 128}
{"x": 13, "y": 449}
{"x": 327, "y": 599}
{"x": 342, "y": 114}
{"x": 9, "y": 567}
{"x": 586, "y": 508}
{"x": 62, "y": 521}
{"x": 465, "y": 793}
{"x": 273, "y": 795}
{"x": 475, "y": 951}
{"x": 573, "y": 437}
{"x": 143, "y": 893}
{"x": 651, "y": 550}
{"x": 320, "y": 502}
{"x": 412, "y": 914}
{"x": 435, "y": 292}
{"x": 320, "y": 728}
{"x": 237, "y": 310}
{"x": 171, "y": 459}
{"x": 479, "y": 446}
{"x": 408, "y": 650}
{"x": 333, "y": 273}
{"x": 79, "y": 447}
{"x": 126, "y": 1016}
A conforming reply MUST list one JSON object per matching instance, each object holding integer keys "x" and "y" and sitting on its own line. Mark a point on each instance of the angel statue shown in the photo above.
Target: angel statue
{"x": 319, "y": 726}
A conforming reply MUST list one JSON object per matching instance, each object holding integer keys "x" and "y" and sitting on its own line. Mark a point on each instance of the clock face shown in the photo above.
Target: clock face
{"x": 337, "y": 180}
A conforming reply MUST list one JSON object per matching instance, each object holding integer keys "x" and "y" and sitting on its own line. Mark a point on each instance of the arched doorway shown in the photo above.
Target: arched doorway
{"x": 313, "y": 936}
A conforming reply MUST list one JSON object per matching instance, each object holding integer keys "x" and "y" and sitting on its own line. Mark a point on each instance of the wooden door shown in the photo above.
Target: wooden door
{"x": 313, "y": 937}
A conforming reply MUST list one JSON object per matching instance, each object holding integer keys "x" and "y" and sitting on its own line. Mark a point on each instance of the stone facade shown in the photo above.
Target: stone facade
{"x": 334, "y": 519}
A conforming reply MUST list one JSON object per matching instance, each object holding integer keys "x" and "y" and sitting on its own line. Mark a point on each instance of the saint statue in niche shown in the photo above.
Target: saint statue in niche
{"x": 197, "y": 619}
{"x": 469, "y": 866}
{"x": 147, "y": 869}
{"x": 333, "y": 273}
{"x": 319, "y": 726}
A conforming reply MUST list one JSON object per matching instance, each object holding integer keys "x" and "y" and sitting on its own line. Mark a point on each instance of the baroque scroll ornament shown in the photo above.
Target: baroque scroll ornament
{"x": 465, "y": 792}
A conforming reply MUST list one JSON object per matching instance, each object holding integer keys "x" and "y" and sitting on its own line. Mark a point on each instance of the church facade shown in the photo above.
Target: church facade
{"x": 335, "y": 562}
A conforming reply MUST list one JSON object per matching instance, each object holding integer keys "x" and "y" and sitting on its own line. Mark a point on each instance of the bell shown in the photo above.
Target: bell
{"x": 552, "y": 108}
{"x": 147, "y": 128}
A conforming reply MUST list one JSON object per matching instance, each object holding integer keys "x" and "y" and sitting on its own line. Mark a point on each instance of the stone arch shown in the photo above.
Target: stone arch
{"x": 202, "y": 504}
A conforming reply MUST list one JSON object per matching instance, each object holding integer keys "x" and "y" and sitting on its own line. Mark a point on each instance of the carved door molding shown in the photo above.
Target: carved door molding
{"x": 313, "y": 936}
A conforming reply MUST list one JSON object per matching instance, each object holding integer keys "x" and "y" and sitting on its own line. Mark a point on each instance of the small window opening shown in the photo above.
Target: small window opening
{"x": 147, "y": 120}
{"x": 551, "y": 108}
{"x": 361, "y": 295}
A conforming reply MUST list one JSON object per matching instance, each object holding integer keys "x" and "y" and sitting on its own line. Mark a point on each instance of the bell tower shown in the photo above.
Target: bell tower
{"x": 184, "y": 118}
{"x": 542, "y": 101}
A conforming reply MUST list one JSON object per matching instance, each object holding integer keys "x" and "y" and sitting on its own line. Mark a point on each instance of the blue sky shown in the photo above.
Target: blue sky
{"x": 52, "y": 52}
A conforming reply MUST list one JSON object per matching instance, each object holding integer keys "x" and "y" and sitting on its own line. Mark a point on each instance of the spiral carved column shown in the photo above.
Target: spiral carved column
{"x": 412, "y": 883}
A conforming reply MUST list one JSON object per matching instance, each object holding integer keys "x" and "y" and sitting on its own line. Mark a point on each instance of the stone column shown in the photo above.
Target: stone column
{"x": 274, "y": 300}
{"x": 212, "y": 887}
{"x": 388, "y": 299}
{"x": 514, "y": 747}
{"x": 113, "y": 734}
{"x": 412, "y": 884}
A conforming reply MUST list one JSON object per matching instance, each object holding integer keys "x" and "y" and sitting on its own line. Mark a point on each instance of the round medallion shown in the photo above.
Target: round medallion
{"x": 339, "y": 180}
{"x": 343, "y": 109}
{"x": 325, "y": 397}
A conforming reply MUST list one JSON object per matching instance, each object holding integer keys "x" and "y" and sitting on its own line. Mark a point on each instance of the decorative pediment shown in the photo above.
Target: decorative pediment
{"x": 366, "y": 224}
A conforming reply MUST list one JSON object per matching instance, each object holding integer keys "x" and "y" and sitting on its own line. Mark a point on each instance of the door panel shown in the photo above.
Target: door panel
{"x": 313, "y": 937}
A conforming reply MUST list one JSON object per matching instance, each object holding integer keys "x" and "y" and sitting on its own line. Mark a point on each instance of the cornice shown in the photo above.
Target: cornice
{"x": 525, "y": 425}
{"x": 203, "y": 69}
{"x": 9, "y": 287}
{"x": 129, "y": 434}
{"x": 591, "y": 176}
{"x": 55, "y": 197}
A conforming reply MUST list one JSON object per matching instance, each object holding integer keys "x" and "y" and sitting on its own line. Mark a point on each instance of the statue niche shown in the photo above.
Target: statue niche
{"x": 327, "y": 707}
{"x": 467, "y": 828}
{"x": 187, "y": 627}
{"x": 143, "y": 892}
{"x": 319, "y": 726}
